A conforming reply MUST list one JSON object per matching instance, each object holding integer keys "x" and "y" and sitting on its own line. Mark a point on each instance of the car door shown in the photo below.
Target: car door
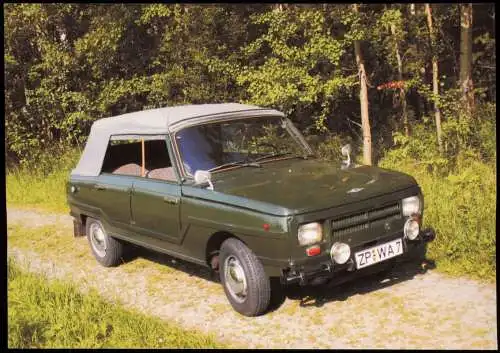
{"x": 155, "y": 206}
{"x": 111, "y": 194}
{"x": 111, "y": 190}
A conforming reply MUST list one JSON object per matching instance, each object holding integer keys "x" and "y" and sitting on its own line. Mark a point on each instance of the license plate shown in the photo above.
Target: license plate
{"x": 378, "y": 253}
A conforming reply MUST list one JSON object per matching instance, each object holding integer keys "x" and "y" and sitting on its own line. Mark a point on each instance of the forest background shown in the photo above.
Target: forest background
{"x": 411, "y": 86}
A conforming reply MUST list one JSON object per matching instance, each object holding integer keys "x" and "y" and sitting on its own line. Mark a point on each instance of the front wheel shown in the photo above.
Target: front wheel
{"x": 245, "y": 283}
{"x": 107, "y": 250}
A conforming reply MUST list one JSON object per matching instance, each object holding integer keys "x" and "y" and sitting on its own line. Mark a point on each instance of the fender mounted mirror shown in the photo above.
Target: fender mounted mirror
{"x": 203, "y": 177}
{"x": 346, "y": 152}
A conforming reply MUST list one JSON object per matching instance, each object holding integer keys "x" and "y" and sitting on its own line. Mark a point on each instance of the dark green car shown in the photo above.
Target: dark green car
{"x": 237, "y": 188}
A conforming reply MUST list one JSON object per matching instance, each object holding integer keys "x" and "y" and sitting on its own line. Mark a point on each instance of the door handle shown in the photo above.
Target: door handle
{"x": 171, "y": 200}
{"x": 100, "y": 187}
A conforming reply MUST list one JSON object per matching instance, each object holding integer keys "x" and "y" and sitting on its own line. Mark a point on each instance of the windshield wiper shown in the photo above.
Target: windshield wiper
{"x": 237, "y": 163}
{"x": 273, "y": 155}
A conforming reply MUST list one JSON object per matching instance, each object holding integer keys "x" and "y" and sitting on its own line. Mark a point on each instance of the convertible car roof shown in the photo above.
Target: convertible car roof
{"x": 156, "y": 122}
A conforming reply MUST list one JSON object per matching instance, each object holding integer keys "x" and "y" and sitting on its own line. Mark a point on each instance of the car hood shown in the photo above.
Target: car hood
{"x": 299, "y": 186}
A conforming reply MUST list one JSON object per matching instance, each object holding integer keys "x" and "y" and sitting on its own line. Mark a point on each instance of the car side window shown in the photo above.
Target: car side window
{"x": 140, "y": 157}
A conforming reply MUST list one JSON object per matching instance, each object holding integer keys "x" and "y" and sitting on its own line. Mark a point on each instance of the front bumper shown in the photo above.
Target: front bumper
{"x": 323, "y": 267}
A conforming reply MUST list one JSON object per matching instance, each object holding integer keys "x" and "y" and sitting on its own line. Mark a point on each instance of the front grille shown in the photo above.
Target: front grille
{"x": 365, "y": 220}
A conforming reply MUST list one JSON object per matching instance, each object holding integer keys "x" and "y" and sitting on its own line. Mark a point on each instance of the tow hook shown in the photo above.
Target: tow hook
{"x": 428, "y": 235}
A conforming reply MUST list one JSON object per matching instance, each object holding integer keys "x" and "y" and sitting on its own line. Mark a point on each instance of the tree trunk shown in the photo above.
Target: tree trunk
{"x": 466, "y": 85}
{"x": 435, "y": 77}
{"x": 363, "y": 100}
{"x": 402, "y": 93}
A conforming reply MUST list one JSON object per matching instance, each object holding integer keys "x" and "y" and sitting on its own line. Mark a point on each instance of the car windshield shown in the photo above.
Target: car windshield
{"x": 238, "y": 142}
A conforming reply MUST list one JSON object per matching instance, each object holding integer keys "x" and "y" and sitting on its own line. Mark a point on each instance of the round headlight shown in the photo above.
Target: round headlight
{"x": 340, "y": 253}
{"x": 411, "y": 205}
{"x": 310, "y": 233}
{"x": 411, "y": 229}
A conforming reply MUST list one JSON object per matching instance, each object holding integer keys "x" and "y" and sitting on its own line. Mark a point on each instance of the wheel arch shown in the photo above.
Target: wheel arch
{"x": 214, "y": 243}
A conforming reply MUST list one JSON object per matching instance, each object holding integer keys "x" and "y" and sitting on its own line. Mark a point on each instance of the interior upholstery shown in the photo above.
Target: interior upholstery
{"x": 162, "y": 174}
{"x": 129, "y": 169}
{"x": 125, "y": 159}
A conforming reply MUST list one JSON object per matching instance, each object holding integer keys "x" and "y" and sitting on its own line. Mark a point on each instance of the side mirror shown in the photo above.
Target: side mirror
{"x": 346, "y": 152}
{"x": 203, "y": 177}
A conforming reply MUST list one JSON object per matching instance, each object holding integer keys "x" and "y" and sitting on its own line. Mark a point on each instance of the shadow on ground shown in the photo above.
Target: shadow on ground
{"x": 385, "y": 275}
{"x": 370, "y": 280}
{"x": 174, "y": 263}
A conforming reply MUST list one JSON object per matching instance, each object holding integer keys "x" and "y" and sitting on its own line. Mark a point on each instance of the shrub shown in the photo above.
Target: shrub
{"x": 460, "y": 206}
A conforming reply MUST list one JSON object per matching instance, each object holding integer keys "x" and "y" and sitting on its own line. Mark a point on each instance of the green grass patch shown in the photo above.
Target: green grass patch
{"x": 51, "y": 314}
{"x": 461, "y": 207}
{"x": 29, "y": 191}
{"x": 28, "y": 187}
{"x": 52, "y": 241}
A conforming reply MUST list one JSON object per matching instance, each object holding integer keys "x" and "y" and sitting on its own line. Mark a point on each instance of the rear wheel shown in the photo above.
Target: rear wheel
{"x": 245, "y": 283}
{"x": 107, "y": 250}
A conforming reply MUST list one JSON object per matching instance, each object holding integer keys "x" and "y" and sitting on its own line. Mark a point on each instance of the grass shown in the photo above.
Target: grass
{"x": 55, "y": 314}
{"x": 31, "y": 188}
{"x": 32, "y": 191}
{"x": 461, "y": 207}
{"x": 52, "y": 241}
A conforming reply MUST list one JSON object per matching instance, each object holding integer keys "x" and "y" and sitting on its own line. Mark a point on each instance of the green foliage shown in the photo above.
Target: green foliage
{"x": 55, "y": 314}
{"x": 70, "y": 64}
{"x": 463, "y": 139}
{"x": 461, "y": 207}
{"x": 301, "y": 62}
{"x": 328, "y": 146}
{"x": 41, "y": 185}
{"x": 459, "y": 187}
{"x": 421, "y": 147}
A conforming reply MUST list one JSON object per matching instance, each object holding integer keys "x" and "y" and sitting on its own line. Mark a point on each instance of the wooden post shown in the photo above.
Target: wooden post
{"x": 466, "y": 56}
{"x": 143, "y": 158}
{"x": 363, "y": 100}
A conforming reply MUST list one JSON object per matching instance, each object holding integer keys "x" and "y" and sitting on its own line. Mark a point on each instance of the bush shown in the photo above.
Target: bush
{"x": 460, "y": 206}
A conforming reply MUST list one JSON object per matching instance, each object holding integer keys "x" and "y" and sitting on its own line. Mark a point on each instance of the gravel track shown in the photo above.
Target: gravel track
{"x": 408, "y": 308}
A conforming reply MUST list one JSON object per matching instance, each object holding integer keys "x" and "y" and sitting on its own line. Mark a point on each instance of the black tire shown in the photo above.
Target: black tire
{"x": 112, "y": 253}
{"x": 236, "y": 255}
{"x": 278, "y": 294}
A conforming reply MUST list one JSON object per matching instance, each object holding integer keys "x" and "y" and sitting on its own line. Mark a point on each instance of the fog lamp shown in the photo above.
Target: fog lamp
{"x": 411, "y": 229}
{"x": 340, "y": 253}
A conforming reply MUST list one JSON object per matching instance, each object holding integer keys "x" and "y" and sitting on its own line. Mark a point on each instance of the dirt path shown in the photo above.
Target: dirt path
{"x": 408, "y": 309}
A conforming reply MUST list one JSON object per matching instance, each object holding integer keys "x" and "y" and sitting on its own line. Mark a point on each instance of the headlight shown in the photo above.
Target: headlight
{"x": 310, "y": 233}
{"x": 411, "y": 205}
{"x": 340, "y": 253}
{"x": 411, "y": 229}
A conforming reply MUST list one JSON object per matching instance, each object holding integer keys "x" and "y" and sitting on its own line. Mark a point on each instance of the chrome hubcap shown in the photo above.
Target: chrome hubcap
{"x": 97, "y": 239}
{"x": 235, "y": 279}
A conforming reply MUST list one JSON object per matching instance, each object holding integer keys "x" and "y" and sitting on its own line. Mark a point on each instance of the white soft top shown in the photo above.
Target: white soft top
{"x": 153, "y": 122}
